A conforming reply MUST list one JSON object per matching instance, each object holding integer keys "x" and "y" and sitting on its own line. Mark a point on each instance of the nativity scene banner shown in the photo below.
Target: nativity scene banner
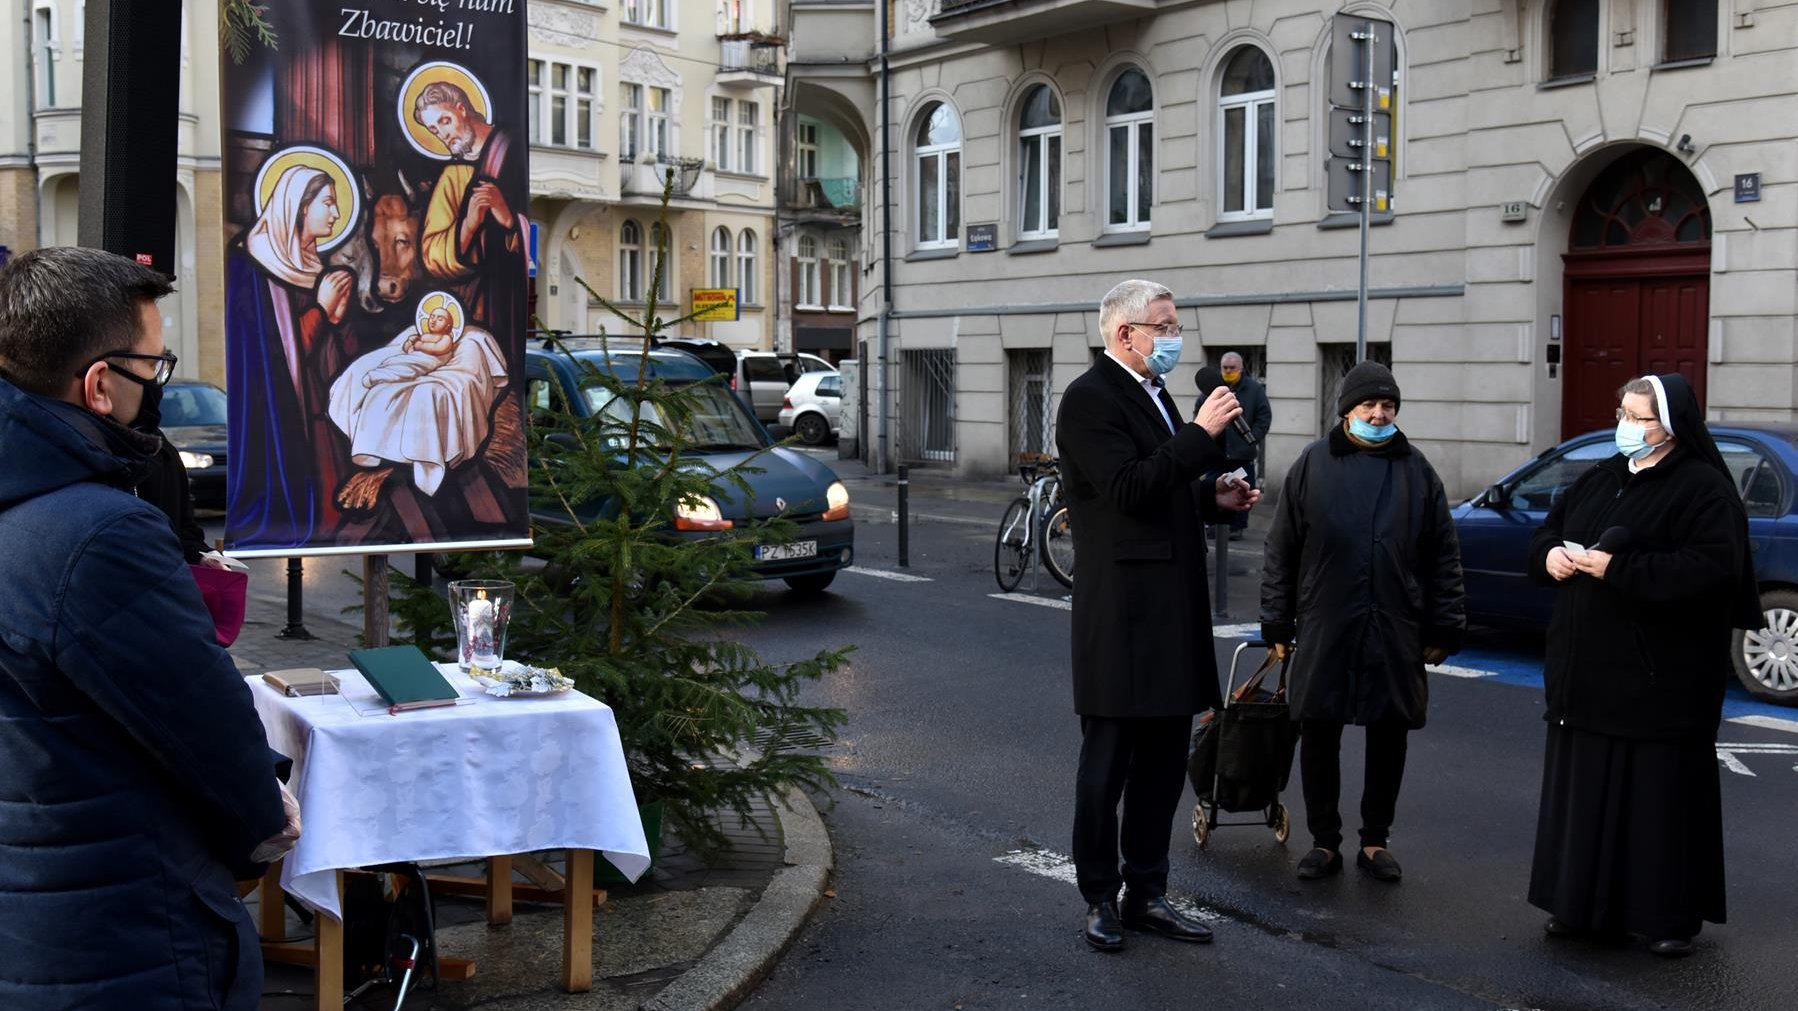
{"x": 375, "y": 276}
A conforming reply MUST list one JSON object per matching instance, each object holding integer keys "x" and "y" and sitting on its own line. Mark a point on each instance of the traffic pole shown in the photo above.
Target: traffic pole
{"x": 904, "y": 516}
{"x": 296, "y": 611}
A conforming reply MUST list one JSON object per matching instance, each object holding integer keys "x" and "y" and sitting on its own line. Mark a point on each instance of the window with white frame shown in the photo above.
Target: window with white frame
{"x": 630, "y": 261}
{"x": 840, "y": 293}
{"x": 1039, "y": 164}
{"x": 1248, "y": 128}
{"x": 564, "y": 101}
{"x": 661, "y": 253}
{"x": 721, "y": 253}
{"x": 746, "y": 275}
{"x": 938, "y": 160}
{"x": 1129, "y": 152}
{"x": 43, "y": 38}
{"x": 630, "y": 121}
{"x": 749, "y": 131}
{"x": 651, "y": 13}
{"x": 655, "y": 125}
{"x": 735, "y": 17}
{"x": 808, "y": 150}
{"x": 807, "y": 294}
{"x": 720, "y": 134}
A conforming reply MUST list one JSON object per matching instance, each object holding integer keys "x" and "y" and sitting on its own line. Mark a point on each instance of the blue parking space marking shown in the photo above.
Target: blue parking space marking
{"x": 1525, "y": 671}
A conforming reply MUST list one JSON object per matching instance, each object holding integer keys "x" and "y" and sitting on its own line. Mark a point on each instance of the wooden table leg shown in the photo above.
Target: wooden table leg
{"x": 577, "y": 923}
{"x": 272, "y": 905}
{"x": 327, "y": 972}
{"x": 499, "y": 890}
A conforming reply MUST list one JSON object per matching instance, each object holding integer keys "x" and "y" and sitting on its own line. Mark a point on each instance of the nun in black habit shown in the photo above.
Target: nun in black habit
{"x": 1629, "y": 838}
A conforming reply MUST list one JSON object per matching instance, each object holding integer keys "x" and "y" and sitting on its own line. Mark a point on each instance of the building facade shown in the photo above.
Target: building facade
{"x": 1583, "y": 190}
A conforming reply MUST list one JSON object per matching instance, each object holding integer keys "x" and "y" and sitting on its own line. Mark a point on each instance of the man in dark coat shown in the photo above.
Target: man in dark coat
{"x": 133, "y": 768}
{"x": 1363, "y": 570}
{"x": 1143, "y": 656}
{"x": 1260, "y": 417}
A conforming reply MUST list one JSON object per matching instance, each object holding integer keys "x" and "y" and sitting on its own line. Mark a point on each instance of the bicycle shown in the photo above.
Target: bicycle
{"x": 1035, "y": 524}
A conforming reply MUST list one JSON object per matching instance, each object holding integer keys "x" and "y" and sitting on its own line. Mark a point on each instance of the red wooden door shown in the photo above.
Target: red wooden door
{"x": 1619, "y": 328}
{"x": 1675, "y": 328}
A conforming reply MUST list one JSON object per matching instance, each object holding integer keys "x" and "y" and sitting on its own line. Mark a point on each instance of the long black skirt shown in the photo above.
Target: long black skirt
{"x": 1630, "y": 835}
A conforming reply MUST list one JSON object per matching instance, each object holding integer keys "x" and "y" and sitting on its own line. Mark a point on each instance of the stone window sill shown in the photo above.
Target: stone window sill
{"x": 1567, "y": 82}
{"x": 1246, "y": 226}
{"x": 920, "y": 255}
{"x": 1137, "y": 238}
{"x": 1349, "y": 219}
{"x": 1028, "y": 246}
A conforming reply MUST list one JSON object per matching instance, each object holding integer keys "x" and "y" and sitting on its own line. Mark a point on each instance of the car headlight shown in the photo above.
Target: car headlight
{"x": 836, "y": 501}
{"x": 195, "y": 461}
{"x": 699, "y": 512}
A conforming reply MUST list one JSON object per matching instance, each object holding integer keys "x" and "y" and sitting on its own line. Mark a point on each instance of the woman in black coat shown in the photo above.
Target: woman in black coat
{"x": 1629, "y": 838}
{"x": 1363, "y": 569}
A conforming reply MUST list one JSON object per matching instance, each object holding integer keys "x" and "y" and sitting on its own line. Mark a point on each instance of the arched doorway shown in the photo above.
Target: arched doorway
{"x": 1637, "y": 285}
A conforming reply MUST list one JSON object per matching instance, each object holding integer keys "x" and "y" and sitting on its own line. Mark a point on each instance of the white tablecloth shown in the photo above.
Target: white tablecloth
{"x": 491, "y": 778}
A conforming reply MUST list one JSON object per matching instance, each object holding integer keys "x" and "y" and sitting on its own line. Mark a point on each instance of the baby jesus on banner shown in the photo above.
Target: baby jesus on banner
{"x": 424, "y": 399}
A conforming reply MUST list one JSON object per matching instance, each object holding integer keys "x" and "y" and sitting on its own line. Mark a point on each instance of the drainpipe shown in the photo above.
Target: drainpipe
{"x": 886, "y": 236}
{"x": 31, "y": 127}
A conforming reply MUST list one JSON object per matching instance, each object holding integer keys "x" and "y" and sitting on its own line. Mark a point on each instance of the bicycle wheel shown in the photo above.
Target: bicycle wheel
{"x": 1058, "y": 547}
{"x": 1011, "y": 552}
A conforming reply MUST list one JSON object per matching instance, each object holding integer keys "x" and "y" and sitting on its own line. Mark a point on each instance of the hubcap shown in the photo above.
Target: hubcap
{"x": 1771, "y": 653}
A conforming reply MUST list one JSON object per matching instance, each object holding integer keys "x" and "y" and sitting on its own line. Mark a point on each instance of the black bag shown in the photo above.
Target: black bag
{"x": 1245, "y": 749}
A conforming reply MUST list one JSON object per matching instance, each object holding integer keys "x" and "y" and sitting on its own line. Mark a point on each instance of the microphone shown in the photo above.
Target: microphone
{"x": 1612, "y": 540}
{"x": 1208, "y": 379}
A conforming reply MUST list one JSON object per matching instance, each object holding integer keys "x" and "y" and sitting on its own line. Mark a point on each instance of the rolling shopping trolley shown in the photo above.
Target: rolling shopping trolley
{"x": 1242, "y": 752}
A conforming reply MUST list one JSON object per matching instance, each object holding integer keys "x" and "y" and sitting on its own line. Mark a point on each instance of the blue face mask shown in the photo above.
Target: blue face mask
{"x": 1371, "y": 433}
{"x": 1166, "y": 355}
{"x": 1632, "y": 440}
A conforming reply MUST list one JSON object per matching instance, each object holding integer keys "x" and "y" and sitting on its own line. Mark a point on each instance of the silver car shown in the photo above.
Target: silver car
{"x": 813, "y": 408}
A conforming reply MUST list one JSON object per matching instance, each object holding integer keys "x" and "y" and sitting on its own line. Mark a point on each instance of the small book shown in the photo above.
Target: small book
{"x": 299, "y": 681}
{"x": 404, "y": 677}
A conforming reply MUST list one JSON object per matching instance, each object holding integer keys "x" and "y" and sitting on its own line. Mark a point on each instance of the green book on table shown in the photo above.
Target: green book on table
{"x": 404, "y": 676}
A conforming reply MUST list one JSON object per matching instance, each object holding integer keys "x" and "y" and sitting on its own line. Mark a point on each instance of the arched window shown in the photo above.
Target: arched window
{"x": 630, "y": 261}
{"x": 1129, "y": 152}
{"x": 1689, "y": 30}
{"x": 1039, "y": 164}
{"x": 807, "y": 293}
{"x": 1573, "y": 39}
{"x": 1643, "y": 199}
{"x": 721, "y": 258}
{"x": 840, "y": 294}
{"x": 1248, "y": 128}
{"x": 663, "y": 261}
{"x": 746, "y": 275}
{"x": 938, "y": 157}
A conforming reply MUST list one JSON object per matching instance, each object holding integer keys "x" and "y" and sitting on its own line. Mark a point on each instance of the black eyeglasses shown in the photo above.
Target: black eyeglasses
{"x": 165, "y": 367}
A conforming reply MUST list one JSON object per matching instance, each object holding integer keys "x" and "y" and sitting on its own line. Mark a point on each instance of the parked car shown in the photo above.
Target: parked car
{"x": 719, "y": 355}
{"x": 787, "y": 482}
{"x": 1496, "y": 526}
{"x": 763, "y": 378}
{"x": 193, "y": 418}
{"x": 814, "y": 406}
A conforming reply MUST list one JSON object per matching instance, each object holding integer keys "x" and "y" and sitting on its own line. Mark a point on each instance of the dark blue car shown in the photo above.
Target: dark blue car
{"x": 792, "y": 484}
{"x": 1496, "y": 526}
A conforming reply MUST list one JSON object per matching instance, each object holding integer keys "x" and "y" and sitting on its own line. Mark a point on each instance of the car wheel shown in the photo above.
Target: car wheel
{"x": 1766, "y": 659}
{"x": 811, "y": 429}
{"x": 815, "y": 583}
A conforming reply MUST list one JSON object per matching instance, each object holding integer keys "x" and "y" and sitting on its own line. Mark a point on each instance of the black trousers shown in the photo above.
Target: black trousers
{"x": 1320, "y": 769}
{"x": 1143, "y": 763}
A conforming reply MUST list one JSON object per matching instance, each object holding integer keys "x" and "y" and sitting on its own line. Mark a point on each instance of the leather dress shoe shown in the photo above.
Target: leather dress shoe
{"x": 1159, "y": 916}
{"x": 1383, "y": 866}
{"x": 1104, "y": 930}
{"x": 1672, "y": 947}
{"x": 1320, "y": 863}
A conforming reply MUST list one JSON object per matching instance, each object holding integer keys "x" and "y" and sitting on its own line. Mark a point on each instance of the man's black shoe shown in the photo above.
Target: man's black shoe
{"x": 1158, "y": 915}
{"x": 1104, "y": 931}
{"x": 1383, "y": 866}
{"x": 1320, "y": 863}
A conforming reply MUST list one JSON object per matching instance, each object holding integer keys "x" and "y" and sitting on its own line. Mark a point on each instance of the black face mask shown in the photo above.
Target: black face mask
{"x": 149, "y": 412}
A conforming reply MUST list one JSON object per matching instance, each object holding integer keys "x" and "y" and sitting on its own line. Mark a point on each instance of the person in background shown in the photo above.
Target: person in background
{"x": 1650, "y": 552}
{"x": 164, "y": 484}
{"x": 134, "y": 772}
{"x": 1260, "y": 417}
{"x": 1363, "y": 573}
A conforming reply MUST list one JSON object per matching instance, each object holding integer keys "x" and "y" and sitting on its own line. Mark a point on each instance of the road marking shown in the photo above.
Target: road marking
{"x": 1461, "y": 672}
{"x": 1025, "y": 598}
{"x": 1727, "y": 752}
{"x": 1766, "y": 723}
{"x": 897, "y": 577}
{"x": 1236, "y": 632}
{"x": 1052, "y": 865}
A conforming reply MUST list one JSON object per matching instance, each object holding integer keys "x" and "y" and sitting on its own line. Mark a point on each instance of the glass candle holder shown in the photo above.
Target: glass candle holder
{"x": 482, "y": 608}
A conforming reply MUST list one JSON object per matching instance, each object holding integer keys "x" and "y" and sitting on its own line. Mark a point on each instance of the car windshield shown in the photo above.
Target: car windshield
{"x": 192, "y": 405}
{"x": 719, "y": 423}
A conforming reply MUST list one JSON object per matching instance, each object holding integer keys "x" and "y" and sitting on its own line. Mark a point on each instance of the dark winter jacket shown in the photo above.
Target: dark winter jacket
{"x": 133, "y": 767}
{"x": 1363, "y": 570}
{"x": 1256, "y": 411}
{"x": 1141, "y": 634}
{"x": 165, "y": 486}
{"x": 1644, "y": 653}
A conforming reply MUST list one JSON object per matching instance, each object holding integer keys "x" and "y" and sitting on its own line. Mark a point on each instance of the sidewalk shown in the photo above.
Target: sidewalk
{"x": 687, "y": 937}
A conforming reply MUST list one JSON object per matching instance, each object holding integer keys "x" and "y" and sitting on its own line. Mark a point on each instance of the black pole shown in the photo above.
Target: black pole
{"x": 296, "y": 589}
{"x": 904, "y": 516}
{"x": 1220, "y": 597}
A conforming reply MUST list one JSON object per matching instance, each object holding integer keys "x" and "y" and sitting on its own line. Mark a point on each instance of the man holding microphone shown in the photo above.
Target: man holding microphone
{"x": 1143, "y": 657}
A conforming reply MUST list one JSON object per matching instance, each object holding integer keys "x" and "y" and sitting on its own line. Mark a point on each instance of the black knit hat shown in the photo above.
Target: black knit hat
{"x": 1366, "y": 381}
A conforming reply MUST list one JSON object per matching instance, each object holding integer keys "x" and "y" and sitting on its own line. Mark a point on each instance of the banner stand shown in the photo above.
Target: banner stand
{"x": 374, "y": 601}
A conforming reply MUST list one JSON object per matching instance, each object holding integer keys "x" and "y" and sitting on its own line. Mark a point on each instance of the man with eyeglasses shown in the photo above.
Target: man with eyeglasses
{"x": 134, "y": 772}
{"x": 1143, "y": 658}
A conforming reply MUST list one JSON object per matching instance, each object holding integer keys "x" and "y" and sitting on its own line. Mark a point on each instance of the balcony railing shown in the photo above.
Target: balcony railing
{"x": 752, "y": 53}
{"x": 826, "y": 193}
